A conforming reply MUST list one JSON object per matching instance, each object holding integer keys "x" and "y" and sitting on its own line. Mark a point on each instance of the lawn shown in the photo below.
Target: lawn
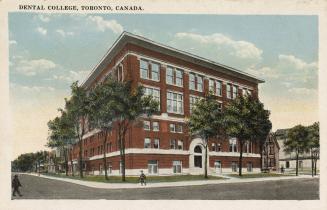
{"x": 258, "y": 175}
{"x": 133, "y": 179}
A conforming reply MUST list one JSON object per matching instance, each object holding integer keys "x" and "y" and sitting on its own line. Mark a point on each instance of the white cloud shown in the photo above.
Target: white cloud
{"x": 72, "y": 76}
{"x": 64, "y": 33}
{"x": 264, "y": 72}
{"x": 44, "y": 18}
{"x": 30, "y": 89}
{"x": 303, "y": 91}
{"x": 103, "y": 24}
{"x": 237, "y": 53}
{"x": 290, "y": 61}
{"x": 32, "y": 67}
{"x": 42, "y": 31}
{"x": 12, "y": 42}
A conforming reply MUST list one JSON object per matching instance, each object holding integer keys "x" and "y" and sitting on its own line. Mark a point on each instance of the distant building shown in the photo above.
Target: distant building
{"x": 270, "y": 154}
{"x": 288, "y": 161}
{"x": 163, "y": 146}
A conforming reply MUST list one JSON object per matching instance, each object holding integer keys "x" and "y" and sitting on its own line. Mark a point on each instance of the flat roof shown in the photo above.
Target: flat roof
{"x": 127, "y": 37}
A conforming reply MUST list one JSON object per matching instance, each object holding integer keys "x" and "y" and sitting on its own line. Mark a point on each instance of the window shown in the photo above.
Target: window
{"x": 246, "y": 92}
{"x": 175, "y": 102}
{"x": 156, "y": 143}
{"x": 232, "y": 145}
{"x": 154, "y": 92}
{"x": 193, "y": 100}
{"x": 147, "y": 143}
{"x": 169, "y": 76}
{"x": 146, "y": 125}
{"x": 155, "y": 71}
{"x": 218, "y": 166}
{"x": 180, "y": 144}
{"x": 120, "y": 73}
{"x": 177, "y": 166}
{"x": 218, "y": 88}
{"x": 235, "y": 91}
{"x": 220, "y": 106}
{"x": 199, "y": 83}
{"x": 229, "y": 91}
{"x": 192, "y": 81}
{"x": 144, "y": 69}
{"x": 249, "y": 167}
{"x": 109, "y": 168}
{"x": 100, "y": 168}
{"x": 234, "y": 166}
{"x": 248, "y": 147}
{"x": 287, "y": 164}
{"x": 152, "y": 166}
{"x": 120, "y": 167}
{"x": 216, "y": 147}
{"x": 176, "y": 128}
{"x": 179, "y": 77}
{"x": 211, "y": 85}
{"x": 173, "y": 144}
{"x": 155, "y": 126}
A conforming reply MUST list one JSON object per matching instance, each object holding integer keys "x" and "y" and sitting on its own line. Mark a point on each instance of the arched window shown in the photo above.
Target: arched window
{"x": 198, "y": 149}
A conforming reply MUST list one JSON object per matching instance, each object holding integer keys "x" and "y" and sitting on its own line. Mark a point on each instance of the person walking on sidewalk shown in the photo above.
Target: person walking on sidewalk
{"x": 15, "y": 184}
{"x": 142, "y": 178}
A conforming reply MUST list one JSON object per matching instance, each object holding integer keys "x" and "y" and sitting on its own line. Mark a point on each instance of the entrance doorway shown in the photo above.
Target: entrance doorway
{"x": 198, "y": 157}
{"x": 218, "y": 166}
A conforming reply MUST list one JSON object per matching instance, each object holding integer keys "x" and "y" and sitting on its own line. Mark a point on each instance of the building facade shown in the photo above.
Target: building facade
{"x": 288, "y": 160}
{"x": 162, "y": 144}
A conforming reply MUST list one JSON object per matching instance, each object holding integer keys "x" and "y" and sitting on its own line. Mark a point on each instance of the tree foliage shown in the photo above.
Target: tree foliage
{"x": 246, "y": 119}
{"x": 206, "y": 122}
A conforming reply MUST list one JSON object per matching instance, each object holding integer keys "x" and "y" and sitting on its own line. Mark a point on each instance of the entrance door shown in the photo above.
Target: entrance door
{"x": 198, "y": 161}
{"x": 218, "y": 166}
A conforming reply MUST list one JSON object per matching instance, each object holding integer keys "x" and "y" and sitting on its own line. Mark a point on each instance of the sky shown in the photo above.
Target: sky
{"x": 47, "y": 52}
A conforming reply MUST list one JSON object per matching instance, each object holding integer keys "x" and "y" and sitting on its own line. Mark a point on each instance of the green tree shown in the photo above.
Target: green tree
{"x": 61, "y": 135}
{"x": 102, "y": 113}
{"x": 206, "y": 122}
{"x": 78, "y": 110}
{"x": 297, "y": 142}
{"x": 129, "y": 104}
{"x": 240, "y": 117}
{"x": 313, "y": 146}
{"x": 24, "y": 162}
{"x": 261, "y": 124}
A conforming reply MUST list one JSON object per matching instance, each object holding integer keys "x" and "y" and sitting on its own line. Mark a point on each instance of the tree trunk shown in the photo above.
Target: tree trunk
{"x": 66, "y": 160}
{"x": 261, "y": 156}
{"x": 81, "y": 158}
{"x": 206, "y": 161}
{"x": 316, "y": 167}
{"x": 240, "y": 159}
{"x": 104, "y": 154}
{"x": 312, "y": 164}
{"x": 71, "y": 163}
{"x": 123, "y": 156}
{"x": 297, "y": 163}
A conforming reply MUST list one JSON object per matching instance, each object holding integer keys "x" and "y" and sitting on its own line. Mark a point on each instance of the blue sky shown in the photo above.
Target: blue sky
{"x": 49, "y": 51}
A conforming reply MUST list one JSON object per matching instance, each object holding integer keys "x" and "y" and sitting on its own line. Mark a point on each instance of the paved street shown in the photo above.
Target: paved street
{"x": 293, "y": 189}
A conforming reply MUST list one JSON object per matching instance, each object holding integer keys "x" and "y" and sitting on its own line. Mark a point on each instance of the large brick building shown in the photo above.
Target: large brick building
{"x": 162, "y": 145}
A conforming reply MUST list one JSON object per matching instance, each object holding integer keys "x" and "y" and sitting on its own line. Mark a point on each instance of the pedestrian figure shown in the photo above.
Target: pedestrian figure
{"x": 282, "y": 169}
{"x": 15, "y": 184}
{"x": 142, "y": 178}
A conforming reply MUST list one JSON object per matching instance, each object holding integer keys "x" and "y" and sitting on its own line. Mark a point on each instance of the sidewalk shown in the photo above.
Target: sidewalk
{"x": 101, "y": 185}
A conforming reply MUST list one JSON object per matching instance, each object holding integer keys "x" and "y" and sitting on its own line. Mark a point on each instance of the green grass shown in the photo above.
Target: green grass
{"x": 258, "y": 175}
{"x": 132, "y": 179}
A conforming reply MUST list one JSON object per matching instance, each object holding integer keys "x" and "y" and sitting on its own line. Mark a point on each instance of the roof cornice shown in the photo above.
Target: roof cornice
{"x": 127, "y": 37}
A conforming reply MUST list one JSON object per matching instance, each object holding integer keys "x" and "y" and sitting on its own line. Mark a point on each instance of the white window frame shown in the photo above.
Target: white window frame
{"x": 180, "y": 144}
{"x": 235, "y": 91}
{"x": 146, "y": 123}
{"x": 233, "y": 143}
{"x": 176, "y": 164}
{"x": 155, "y": 126}
{"x": 152, "y": 166}
{"x": 150, "y": 91}
{"x": 249, "y": 167}
{"x": 234, "y": 166}
{"x": 147, "y": 143}
{"x": 175, "y": 100}
{"x": 152, "y": 71}
{"x": 142, "y": 69}
{"x": 218, "y": 88}
{"x": 193, "y": 100}
{"x": 168, "y": 81}
{"x": 199, "y": 83}
{"x": 212, "y": 85}
{"x": 154, "y": 143}
{"x": 229, "y": 91}
{"x": 177, "y": 78}
{"x": 192, "y": 87}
